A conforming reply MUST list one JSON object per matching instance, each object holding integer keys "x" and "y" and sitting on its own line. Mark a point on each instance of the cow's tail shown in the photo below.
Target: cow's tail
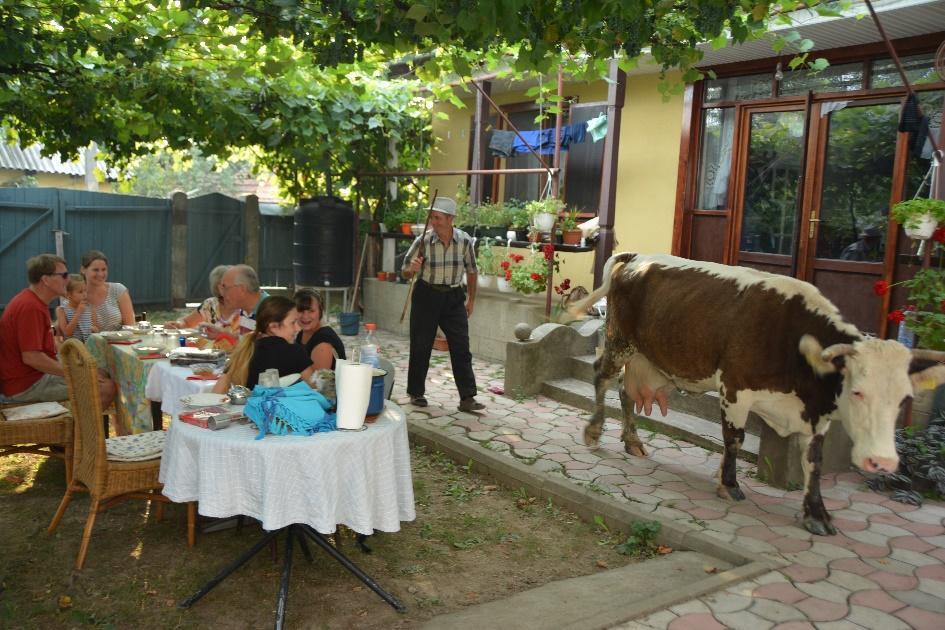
{"x": 612, "y": 266}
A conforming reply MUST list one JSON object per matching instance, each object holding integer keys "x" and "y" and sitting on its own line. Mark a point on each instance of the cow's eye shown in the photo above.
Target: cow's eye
{"x": 858, "y": 395}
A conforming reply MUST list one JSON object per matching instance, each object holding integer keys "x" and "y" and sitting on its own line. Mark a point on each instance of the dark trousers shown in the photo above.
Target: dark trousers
{"x": 431, "y": 308}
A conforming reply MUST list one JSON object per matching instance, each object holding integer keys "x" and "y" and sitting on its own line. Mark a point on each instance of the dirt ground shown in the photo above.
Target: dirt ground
{"x": 472, "y": 542}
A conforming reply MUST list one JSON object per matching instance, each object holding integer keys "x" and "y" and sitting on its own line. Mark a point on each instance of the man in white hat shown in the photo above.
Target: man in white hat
{"x": 440, "y": 301}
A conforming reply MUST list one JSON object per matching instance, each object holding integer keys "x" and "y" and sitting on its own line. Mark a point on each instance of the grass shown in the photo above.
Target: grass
{"x": 471, "y": 542}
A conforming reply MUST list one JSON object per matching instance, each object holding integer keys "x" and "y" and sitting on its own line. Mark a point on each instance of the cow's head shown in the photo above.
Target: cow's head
{"x": 876, "y": 382}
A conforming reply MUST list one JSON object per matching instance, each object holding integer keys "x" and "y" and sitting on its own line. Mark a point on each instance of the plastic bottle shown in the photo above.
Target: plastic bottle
{"x": 370, "y": 350}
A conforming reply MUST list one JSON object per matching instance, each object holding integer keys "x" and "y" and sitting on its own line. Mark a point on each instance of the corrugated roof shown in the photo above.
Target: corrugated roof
{"x": 15, "y": 157}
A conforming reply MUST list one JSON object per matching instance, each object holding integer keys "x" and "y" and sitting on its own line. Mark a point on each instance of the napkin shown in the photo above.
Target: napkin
{"x": 151, "y": 356}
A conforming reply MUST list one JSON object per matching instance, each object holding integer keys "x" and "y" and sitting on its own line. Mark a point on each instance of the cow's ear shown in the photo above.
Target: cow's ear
{"x": 814, "y": 354}
{"x": 925, "y": 376}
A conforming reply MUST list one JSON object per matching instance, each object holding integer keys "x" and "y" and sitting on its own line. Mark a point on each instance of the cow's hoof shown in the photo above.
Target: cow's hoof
{"x": 818, "y": 527}
{"x": 635, "y": 449}
{"x": 591, "y": 436}
{"x": 731, "y": 494}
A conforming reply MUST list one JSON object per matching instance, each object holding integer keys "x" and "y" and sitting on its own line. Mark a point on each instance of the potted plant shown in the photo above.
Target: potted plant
{"x": 570, "y": 234}
{"x": 506, "y": 267}
{"x": 530, "y": 275}
{"x": 519, "y": 218}
{"x": 491, "y": 219}
{"x": 486, "y": 262}
{"x": 544, "y": 212}
{"x": 919, "y": 217}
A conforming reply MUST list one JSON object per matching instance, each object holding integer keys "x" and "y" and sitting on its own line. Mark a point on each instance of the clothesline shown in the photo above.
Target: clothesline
{"x": 507, "y": 144}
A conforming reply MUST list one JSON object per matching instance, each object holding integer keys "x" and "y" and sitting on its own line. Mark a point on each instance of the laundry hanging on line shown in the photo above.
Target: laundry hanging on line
{"x": 597, "y": 127}
{"x": 509, "y": 144}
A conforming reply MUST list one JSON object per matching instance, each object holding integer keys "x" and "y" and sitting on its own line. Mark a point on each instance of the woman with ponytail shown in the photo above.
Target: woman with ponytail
{"x": 271, "y": 345}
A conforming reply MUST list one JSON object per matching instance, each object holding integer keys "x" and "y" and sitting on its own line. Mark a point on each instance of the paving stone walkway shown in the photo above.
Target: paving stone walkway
{"x": 885, "y": 569}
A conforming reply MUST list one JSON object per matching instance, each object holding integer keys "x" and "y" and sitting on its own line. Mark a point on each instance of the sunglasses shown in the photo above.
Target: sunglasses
{"x": 62, "y": 274}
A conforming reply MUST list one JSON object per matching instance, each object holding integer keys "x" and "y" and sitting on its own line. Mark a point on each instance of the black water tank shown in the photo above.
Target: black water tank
{"x": 323, "y": 243}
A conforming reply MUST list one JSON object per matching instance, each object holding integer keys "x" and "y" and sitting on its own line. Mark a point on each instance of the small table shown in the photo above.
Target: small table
{"x": 304, "y": 485}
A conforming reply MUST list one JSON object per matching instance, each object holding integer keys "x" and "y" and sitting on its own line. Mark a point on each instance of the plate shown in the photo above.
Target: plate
{"x": 204, "y": 400}
{"x": 289, "y": 379}
{"x": 148, "y": 349}
{"x": 117, "y": 334}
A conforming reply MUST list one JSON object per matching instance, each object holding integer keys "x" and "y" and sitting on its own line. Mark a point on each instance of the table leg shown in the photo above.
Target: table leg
{"x": 157, "y": 416}
{"x": 304, "y": 546}
{"x": 209, "y": 586}
{"x": 353, "y": 568}
{"x": 283, "y": 597}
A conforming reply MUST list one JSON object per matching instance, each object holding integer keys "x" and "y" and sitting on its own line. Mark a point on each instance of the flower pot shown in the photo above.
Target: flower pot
{"x": 405, "y": 228}
{"x": 503, "y": 285}
{"x": 571, "y": 237}
{"x": 382, "y": 276}
{"x": 544, "y": 221}
{"x": 440, "y": 343}
{"x": 924, "y": 228}
{"x": 485, "y": 281}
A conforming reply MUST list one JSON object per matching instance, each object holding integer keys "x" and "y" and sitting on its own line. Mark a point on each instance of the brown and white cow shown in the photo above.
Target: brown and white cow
{"x": 766, "y": 343}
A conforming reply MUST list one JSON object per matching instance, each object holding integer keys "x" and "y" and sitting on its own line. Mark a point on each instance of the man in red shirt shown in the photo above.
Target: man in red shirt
{"x": 29, "y": 368}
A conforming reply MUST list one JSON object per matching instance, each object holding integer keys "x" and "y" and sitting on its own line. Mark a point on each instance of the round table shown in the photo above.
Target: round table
{"x": 358, "y": 479}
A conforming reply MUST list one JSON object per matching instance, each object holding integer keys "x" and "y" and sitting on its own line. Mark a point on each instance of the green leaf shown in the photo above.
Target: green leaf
{"x": 417, "y": 12}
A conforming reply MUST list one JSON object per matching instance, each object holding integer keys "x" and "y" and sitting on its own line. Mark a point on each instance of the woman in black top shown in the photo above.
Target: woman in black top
{"x": 269, "y": 346}
{"x": 320, "y": 342}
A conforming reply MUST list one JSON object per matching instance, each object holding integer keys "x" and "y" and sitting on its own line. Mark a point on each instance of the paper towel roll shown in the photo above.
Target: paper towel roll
{"x": 353, "y": 387}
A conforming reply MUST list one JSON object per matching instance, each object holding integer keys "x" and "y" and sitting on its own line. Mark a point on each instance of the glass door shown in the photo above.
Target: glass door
{"x": 770, "y": 189}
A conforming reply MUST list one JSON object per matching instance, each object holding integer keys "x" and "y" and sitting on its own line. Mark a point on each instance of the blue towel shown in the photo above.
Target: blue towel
{"x": 544, "y": 141}
{"x": 298, "y": 409}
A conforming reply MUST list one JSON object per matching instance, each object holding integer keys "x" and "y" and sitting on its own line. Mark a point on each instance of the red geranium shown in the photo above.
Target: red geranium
{"x": 549, "y": 251}
{"x": 896, "y": 316}
{"x": 536, "y": 276}
{"x": 505, "y": 264}
{"x": 508, "y": 274}
{"x": 880, "y": 287}
{"x": 939, "y": 235}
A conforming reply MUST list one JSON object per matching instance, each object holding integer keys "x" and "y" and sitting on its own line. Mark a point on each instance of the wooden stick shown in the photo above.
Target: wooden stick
{"x": 420, "y": 253}
{"x": 357, "y": 281}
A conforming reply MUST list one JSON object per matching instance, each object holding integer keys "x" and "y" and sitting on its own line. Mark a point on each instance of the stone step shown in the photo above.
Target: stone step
{"x": 705, "y": 406}
{"x": 691, "y": 428}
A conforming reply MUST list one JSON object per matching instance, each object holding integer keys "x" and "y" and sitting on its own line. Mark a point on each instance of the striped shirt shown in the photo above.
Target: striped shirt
{"x": 441, "y": 264}
{"x": 84, "y": 327}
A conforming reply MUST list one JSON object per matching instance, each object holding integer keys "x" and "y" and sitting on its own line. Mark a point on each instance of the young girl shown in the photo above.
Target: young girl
{"x": 269, "y": 346}
{"x": 74, "y": 316}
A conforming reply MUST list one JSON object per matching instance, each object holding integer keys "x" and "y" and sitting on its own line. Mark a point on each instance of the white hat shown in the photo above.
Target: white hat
{"x": 445, "y": 205}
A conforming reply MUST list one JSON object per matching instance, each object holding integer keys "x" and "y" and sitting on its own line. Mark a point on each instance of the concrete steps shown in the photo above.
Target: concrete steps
{"x": 677, "y": 423}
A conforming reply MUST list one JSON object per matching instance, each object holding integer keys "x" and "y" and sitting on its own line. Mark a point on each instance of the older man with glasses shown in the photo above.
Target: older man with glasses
{"x": 240, "y": 287}
{"x": 29, "y": 368}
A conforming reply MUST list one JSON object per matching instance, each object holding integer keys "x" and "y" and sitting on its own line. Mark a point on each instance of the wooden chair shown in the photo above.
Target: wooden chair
{"x": 108, "y": 482}
{"x": 51, "y": 437}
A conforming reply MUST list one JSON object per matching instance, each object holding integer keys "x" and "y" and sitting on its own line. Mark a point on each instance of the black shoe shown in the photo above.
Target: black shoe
{"x": 470, "y": 404}
{"x": 418, "y": 401}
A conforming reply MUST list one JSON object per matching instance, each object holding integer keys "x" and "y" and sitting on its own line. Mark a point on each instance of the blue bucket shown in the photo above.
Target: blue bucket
{"x": 376, "y": 402}
{"x": 350, "y": 323}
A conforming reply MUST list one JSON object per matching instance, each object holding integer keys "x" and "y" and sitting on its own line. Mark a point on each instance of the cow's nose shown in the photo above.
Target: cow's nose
{"x": 881, "y": 464}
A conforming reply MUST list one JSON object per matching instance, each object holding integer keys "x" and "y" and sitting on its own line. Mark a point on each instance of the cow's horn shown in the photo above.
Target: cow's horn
{"x": 820, "y": 359}
{"x": 931, "y": 355}
{"x": 837, "y": 350}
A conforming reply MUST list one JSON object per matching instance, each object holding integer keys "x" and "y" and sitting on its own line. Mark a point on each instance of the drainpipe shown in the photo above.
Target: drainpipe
{"x": 616, "y": 93}
{"x": 478, "y": 140}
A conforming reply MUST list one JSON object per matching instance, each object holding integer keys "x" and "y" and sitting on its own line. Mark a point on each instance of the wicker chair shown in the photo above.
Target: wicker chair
{"x": 51, "y": 437}
{"x": 108, "y": 482}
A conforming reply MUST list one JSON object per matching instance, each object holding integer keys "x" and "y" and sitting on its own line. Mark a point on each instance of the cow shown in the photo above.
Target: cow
{"x": 766, "y": 343}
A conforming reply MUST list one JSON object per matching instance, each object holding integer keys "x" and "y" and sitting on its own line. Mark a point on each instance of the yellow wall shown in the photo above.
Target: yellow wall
{"x": 53, "y": 180}
{"x": 647, "y": 165}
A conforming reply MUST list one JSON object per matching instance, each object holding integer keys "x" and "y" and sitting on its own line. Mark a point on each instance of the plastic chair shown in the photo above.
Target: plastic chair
{"x": 107, "y": 482}
{"x": 388, "y": 367}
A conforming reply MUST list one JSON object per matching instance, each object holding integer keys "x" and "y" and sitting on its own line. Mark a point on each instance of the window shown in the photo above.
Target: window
{"x": 919, "y": 69}
{"x": 738, "y": 88}
{"x": 840, "y": 78}
{"x": 715, "y": 160}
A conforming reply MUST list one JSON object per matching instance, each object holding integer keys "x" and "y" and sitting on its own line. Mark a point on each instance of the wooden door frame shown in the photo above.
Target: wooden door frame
{"x": 743, "y": 115}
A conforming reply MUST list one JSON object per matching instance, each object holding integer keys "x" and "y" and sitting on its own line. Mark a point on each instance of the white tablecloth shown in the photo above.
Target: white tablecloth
{"x": 167, "y": 383}
{"x": 357, "y": 479}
